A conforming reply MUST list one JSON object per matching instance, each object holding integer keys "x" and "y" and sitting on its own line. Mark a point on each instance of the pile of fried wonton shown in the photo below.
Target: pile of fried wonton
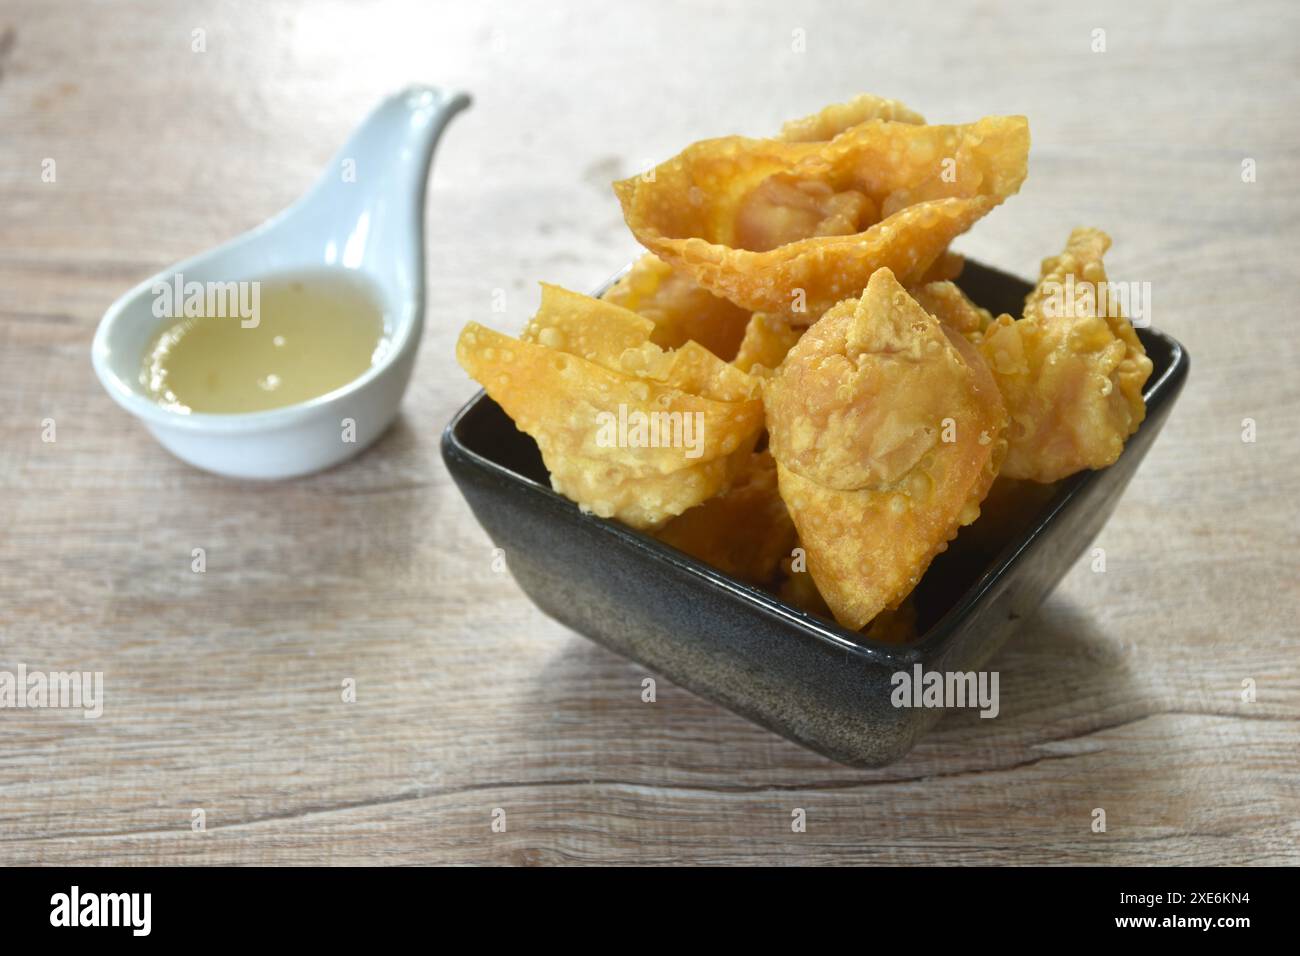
{"x": 790, "y": 387}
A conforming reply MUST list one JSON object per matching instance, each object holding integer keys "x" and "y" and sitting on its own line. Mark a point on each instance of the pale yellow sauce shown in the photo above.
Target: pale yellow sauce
{"x": 314, "y": 333}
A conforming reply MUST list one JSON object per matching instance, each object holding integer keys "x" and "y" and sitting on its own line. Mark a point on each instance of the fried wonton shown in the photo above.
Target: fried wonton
{"x": 798, "y": 589}
{"x": 1071, "y": 370}
{"x": 745, "y": 531}
{"x": 627, "y": 429}
{"x": 947, "y": 303}
{"x": 890, "y": 626}
{"x": 680, "y": 310}
{"x": 767, "y": 340}
{"x": 894, "y": 625}
{"x": 794, "y": 227}
{"x": 797, "y": 298}
{"x": 886, "y": 427}
{"x": 946, "y": 268}
{"x": 832, "y": 120}
{"x": 825, "y": 125}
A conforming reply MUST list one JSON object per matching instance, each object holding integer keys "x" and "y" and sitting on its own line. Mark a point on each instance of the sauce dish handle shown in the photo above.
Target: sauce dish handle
{"x": 367, "y": 207}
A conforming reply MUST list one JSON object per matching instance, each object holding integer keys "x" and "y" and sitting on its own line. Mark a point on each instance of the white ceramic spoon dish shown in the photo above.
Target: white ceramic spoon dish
{"x": 365, "y": 215}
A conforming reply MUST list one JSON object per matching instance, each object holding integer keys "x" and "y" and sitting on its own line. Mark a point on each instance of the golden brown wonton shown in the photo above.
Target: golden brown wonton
{"x": 793, "y": 227}
{"x": 886, "y": 428}
{"x": 627, "y": 429}
{"x": 1071, "y": 370}
{"x": 837, "y": 408}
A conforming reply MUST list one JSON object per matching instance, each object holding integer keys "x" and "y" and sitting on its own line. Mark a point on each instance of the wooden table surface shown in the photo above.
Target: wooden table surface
{"x": 222, "y": 690}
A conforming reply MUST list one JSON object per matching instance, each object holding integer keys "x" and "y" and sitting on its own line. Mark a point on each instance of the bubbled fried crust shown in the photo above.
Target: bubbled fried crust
{"x": 887, "y": 432}
{"x": 682, "y": 311}
{"x": 1072, "y": 378}
{"x": 679, "y": 309}
{"x": 697, "y": 209}
{"x": 768, "y": 339}
{"x": 829, "y": 122}
{"x": 745, "y": 531}
{"x": 947, "y": 303}
{"x": 578, "y": 361}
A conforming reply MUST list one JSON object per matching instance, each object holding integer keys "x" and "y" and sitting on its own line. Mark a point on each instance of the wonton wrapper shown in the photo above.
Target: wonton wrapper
{"x": 1006, "y": 512}
{"x": 832, "y": 120}
{"x": 949, "y": 304}
{"x": 835, "y": 119}
{"x": 894, "y": 625}
{"x": 1072, "y": 382}
{"x": 946, "y": 268}
{"x": 891, "y": 626}
{"x": 680, "y": 310}
{"x": 743, "y": 532}
{"x": 563, "y": 383}
{"x": 798, "y": 589}
{"x": 887, "y": 432}
{"x": 793, "y": 227}
{"x": 768, "y": 338}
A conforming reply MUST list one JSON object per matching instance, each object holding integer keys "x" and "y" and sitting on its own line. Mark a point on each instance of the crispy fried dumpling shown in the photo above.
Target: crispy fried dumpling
{"x": 627, "y": 429}
{"x": 890, "y": 626}
{"x": 895, "y": 625}
{"x": 1071, "y": 371}
{"x": 683, "y": 312}
{"x": 798, "y": 589}
{"x": 886, "y": 427}
{"x": 745, "y": 531}
{"x": 680, "y": 310}
{"x": 950, "y": 305}
{"x": 793, "y": 227}
{"x": 767, "y": 340}
{"x": 829, "y": 122}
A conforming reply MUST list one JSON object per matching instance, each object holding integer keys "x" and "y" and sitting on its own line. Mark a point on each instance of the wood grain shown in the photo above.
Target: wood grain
{"x": 223, "y": 688}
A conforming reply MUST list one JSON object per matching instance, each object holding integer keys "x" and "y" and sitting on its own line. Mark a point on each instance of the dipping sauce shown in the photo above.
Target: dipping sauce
{"x": 284, "y": 340}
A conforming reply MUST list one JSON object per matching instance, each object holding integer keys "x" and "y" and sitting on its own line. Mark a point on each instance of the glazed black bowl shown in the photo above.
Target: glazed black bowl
{"x": 797, "y": 674}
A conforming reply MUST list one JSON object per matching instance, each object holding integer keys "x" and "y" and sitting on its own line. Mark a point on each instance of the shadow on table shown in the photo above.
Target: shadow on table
{"x": 1061, "y": 677}
{"x": 288, "y": 553}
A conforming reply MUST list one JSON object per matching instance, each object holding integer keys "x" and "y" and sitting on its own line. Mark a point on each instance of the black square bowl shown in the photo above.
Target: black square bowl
{"x": 797, "y": 674}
